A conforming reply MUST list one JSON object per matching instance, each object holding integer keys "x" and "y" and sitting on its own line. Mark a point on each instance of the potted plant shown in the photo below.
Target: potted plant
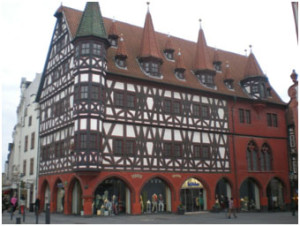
{"x": 181, "y": 209}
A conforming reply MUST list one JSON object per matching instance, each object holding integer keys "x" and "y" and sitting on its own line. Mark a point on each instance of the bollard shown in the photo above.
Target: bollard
{"x": 18, "y": 220}
{"x": 36, "y": 214}
{"x": 47, "y": 216}
{"x": 24, "y": 214}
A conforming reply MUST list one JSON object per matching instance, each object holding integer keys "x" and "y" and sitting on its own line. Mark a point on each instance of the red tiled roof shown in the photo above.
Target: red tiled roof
{"x": 169, "y": 44}
{"x": 252, "y": 67}
{"x": 179, "y": 61}
{"x": 202, "y": 61}
{"x": 113, "y": 29}
{"x": 134, "y": 36}
{"x": 227, "y": 74}
{"x": 121, "y": 50}
{"x": 149, "y": 47}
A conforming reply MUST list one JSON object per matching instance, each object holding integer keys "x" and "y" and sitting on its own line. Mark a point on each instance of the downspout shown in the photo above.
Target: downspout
{"x": 234, "y": 151}
{"x": 38, "y": 156}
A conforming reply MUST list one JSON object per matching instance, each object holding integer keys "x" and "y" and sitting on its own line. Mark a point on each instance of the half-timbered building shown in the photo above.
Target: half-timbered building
{"x": 149, "y": 121}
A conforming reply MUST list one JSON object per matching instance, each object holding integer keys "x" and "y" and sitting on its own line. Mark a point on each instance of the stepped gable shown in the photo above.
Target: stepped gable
{"x": 237, "y": 62}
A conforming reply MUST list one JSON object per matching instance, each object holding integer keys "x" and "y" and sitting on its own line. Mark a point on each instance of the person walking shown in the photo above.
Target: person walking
{"x": 232, "y": 208}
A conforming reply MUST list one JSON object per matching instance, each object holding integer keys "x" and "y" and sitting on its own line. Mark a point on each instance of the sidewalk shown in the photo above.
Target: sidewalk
{"x": 189, "y": 218}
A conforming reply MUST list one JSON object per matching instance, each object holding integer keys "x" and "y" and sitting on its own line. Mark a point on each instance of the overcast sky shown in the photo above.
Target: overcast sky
{"x": 27, "y": 27}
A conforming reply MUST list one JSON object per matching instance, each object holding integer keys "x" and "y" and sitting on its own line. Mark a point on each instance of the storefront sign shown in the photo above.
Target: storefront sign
{"x": 193, "y": 184}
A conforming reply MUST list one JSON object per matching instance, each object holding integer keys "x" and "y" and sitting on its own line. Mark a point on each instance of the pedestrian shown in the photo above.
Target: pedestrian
{"x": 22, "y": 204}
{"x": 14, "y": 202}
{"x": 37, "y": 205}
{"x": 226, "y": 204}
{"x": 232, "y": 208}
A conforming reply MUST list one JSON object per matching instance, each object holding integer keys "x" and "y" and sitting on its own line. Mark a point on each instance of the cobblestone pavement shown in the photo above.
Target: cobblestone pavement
{"x": 188, "y": 218}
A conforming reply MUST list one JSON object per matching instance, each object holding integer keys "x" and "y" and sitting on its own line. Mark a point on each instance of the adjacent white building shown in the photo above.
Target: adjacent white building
{"x": 23, "y": 157}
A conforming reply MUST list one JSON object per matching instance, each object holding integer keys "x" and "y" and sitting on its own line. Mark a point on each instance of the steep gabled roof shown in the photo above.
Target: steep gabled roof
{"x": 252, "y": 67}
{"x": 201, "y": 60}
{"x": 180, "y": 61}
{"x": 91, "y": 23}
{"x": 121, "y": 50}
{"x": 149, "y": 46}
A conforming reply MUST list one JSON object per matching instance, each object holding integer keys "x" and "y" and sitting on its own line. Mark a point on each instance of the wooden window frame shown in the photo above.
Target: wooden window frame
{"x": 31, "y": 166}
{"x": 118, "y": 143}
{"x": 119, "y": 99}
{"x": 32, "y": 140}
{"x": 207, "y": 114}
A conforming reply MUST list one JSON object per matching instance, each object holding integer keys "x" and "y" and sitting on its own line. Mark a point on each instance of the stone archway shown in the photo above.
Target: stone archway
{"x": 75, "y": 205}
{"x": 193, "y": 195}
{"x": 275, "y": 194}
{"x": 156, "y": 196}
{"x": 112, "y": 196}
{"x": 250, "y": 195}
{"x": 223, "y": 191}
{"x": 59, "y": 195}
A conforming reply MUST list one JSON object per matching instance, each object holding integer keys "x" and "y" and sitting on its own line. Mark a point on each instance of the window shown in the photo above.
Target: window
{"x": 197, "y": 151}
{"x": 84, "y": 92}
{"x": 29, "y": 120}
{"x": 245, "y": 116}
{"x": 113, "y": 41}
{"x": 57, "y": 150}
{"x": 248, "y": 116}
{"x": 93, "y": 141}
{"x": 130, "y": 144}
{"x": 176, "y": 107}
{"x": 205, "y": 79}
{"x": 272, "y": 120}
{"x": 96, "y": 49}
{"x": 179, "y": 74}
{"x": 26, "y": 144}
{"x": 83, "y": 141}
{"x": 151, "y": 67}
{"x": 252, "y": 156}
{"x": 117, "y": 147}
{"x": 119, "y": 99}
{"x": 204, "y": 112}
{"x": 169, "y": 54}
{"x": 177, "y": 150}
{"x": 120, "y": 62}
{"x": 95, "y": 92}
{"x": 229, "y": 84}
{"x": 31, "y": 166}
{"x": 85, "y": 48}
{"x": 242, "y": 116}
{"x": 196, "y": 110}
{"x": 205, "y": 153}
{"x": 32, "y": 140}
{"x": 24, "y": 167}
{"x": 167, "y": 106}
{"x": 130, "y": 100}
{"x": 167, "y": 149}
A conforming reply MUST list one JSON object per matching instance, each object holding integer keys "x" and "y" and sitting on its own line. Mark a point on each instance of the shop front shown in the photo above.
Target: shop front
{"x": 112, "y": 196}
{"x": 155, "y": 197}
{"x": 193, "y": 195}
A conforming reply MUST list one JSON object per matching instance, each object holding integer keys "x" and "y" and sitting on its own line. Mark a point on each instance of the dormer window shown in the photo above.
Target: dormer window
{"x": 151, "y": 67}
{"x": 179, "y": 74}
{"x": 206, "y": 79}
{"x": 269, "y": 93}
{"x": 169, "y": 54}
{"x": 255, "y": 87}
{"x": 113, "y": 39}
{"x": 121, "y": 62}
{"x": 229, "y": 84}
{"x": 218, "y": 66}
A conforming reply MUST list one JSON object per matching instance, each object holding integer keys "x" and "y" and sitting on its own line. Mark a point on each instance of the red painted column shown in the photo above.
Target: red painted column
{"x": 87, "y": 205}
{"x": 136, "y": 206}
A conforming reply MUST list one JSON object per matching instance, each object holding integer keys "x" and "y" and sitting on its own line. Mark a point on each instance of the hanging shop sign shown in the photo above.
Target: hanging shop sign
{"x": 191, "y": 183}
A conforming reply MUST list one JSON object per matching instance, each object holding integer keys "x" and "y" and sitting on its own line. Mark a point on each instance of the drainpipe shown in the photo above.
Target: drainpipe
{"x": 234, "y": 151}
{"x": 38, "y": 156}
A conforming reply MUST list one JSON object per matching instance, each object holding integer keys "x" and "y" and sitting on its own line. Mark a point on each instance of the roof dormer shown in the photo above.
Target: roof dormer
{"x": 203, "y": 68}
{"x": 179, "y": 67}
{"x": 150, "y": 58}
{"x": 254, "y": 82}
{"x": 121, "y": 54}
{"x": 113, "y": 34}
{"x": 169, "y": 49}
{"x": 228, "y": 79}
{"x": 217, "y": 62}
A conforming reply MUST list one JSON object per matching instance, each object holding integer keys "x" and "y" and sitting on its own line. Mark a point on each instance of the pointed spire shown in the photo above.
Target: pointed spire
{"x": 113, "y": 29}
{"x": 227, "y": 75}
{"x": 169, "y": 44}
{"x": 252, "y": 67}
{"x": 149, "y": 46}
{"x": 179, "y": 62}
{"x": 121, "y": 51}
{"x": 91, "y": 23}
{"x": 201, "y": 61}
